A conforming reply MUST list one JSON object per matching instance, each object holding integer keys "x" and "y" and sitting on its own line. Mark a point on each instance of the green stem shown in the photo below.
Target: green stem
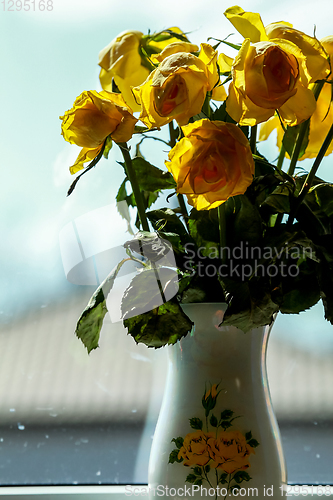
{"x": 253, "y": 139}
{"x": 297, "y": 148}
{"x": 210, "y": 484}
{"x": 180, "y": 197}
{"x": 311, "y": 175}
{"x": 173, "y": 135}
{"x": 135, "y": 185}
{"x": 302, "y": 131}
{"x": 281, "y": 158}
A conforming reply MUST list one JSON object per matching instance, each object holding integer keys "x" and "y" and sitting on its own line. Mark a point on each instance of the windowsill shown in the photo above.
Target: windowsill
{"x": 119, "y": 492}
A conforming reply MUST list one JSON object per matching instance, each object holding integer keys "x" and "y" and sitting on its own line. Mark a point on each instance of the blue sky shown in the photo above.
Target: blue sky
{"x": 47, "y": 59}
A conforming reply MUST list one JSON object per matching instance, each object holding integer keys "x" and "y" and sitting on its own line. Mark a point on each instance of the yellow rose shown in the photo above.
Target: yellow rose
{"x": 195, "y": 449}
{"x": 94, "y": 116}
{"x": 274, "y": 72}
{"x": 178, "y": 87}
{"x": 211, "y": 163}
{"x": 229, "y": 452}
{"x": 121, "y": 60}
{"x": 320, "y": 121}
{"x": 266, "y": 78}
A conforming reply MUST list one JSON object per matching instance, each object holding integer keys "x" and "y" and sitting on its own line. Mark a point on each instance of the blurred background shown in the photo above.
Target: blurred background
{"x": 70, "y": 418}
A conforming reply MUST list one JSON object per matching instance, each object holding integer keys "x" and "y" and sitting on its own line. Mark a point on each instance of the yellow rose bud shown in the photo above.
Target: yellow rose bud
{"x": 177, "y": 88}
{"x": 195, "y": 450}
{"x": 211, "y": 163}
{"x": 121, "y": 60}
{"x": 212, "y": 392}
{"x": 94, "y": 116}
{"x": 229, "y": 452}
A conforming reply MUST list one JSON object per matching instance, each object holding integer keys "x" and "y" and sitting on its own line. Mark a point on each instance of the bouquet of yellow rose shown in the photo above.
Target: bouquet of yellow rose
{"x": 248, "y": 232}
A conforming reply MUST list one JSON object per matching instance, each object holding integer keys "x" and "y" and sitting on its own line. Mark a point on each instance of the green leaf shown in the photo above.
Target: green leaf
{"x": 325, "y": 278}
{"x": 253, "y": 443}
{"x": 213, "y": 421}
{"x": 151, "y": 178}
{"x": 279, "y": 200}
{"x": 226, "y": 424}
{"x": 223, "y": 478}
{"x": 191, "y": 478}
{"x": 248, "y": 436}
{"x": 226, "y": 414}
{"x": 247, "y": 225}
{"x": 90, "y": 322}
{"x": 290, "y": 138}
{"x": 324, "y": 197}
{"x": 204, "y": 229}
{"x": 163, "y": 325}
{"x": 196, "y": 423}
{"x": 299, "y": 293}
{"x": 197, "y": 471}
{"x": 207, "y": 468}
{"x": 241, "y": 476}
{"x": 178, "y": 442}
{"x": 122, "y": 193}
{"x": 166, "y": 220}
{"x": 198, "y": 482}
{"x": 173, "y": 457}
{"x": 150, "y": 246}
{"x": 249, "y": 305}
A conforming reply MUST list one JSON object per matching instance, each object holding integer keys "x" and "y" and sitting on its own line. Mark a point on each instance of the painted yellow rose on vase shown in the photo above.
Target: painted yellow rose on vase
{"x": 95, "y": 116}
{"x": 320, "y": 122}
{"x": 178, "y": 87}
{"x": 211, "y": 163}
{"x": 229, "y": 451}
{"x": 212, "y": 392}
{"x": 122, "y": 61}
{"x": 194, "y": 450}
{"x": 273, "y": 70}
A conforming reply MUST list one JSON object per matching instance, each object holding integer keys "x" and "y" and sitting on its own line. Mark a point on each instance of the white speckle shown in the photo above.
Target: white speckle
{"x": 315, "y": 423}
{"x": 12, "y": 409}
{"x": 75, "y": 482}
{"x": 40, "y": 444}
{"x": 53, "y": 414}
{"x": 98, "y": 473}
{"x": 139, "y": 357}
{"x": 1, "y": 440}
{"x": 47, "y": 436}
{"x": 134, "y": 411}
{"x": 317, "y": 456}
{"x": 25, "y": 444}
{"x": 20, "y": 427}
{"x": 84, "y": 441}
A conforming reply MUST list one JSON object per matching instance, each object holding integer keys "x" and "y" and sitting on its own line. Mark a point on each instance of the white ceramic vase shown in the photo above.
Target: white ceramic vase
{"x": 231, "y": 446}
